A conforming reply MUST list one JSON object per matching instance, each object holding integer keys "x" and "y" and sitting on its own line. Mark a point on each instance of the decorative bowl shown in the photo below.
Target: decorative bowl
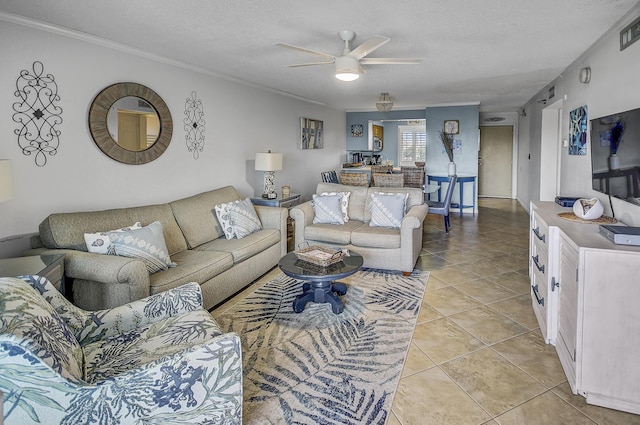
{"x": 588, "y": 209}
{"x": 419, "y": 164}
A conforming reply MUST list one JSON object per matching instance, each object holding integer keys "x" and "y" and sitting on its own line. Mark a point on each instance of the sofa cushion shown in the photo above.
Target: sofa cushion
{"x": 113, "y": 356}
{"x": 332, "y": 233}
{"x": 387, "y": 209}
{"x": 193, "y": 266}
{"x": 247, "y": 247}
{"x": 327, "y": 208}
{"x": 357, "y": 199}
{"x": 34, "y": 324}
{"x": 146, "y": 243}
{"x": 196, "y": 217}
{"x": 376, "y": 237}
{"x": 66, "y": 230}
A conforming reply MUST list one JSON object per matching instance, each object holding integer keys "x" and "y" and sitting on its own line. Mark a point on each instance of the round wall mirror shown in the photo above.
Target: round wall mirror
{"x": 130, "y": 123}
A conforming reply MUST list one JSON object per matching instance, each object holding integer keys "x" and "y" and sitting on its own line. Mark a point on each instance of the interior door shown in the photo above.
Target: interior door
{"x": 495, "y": 161}
{"x": 132, "y": 131}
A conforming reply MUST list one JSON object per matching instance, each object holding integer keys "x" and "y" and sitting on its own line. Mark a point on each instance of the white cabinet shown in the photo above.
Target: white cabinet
{"x": 542, "y": 243}
{"x": 594, "y": 285}
{"x": 567, "y": 317}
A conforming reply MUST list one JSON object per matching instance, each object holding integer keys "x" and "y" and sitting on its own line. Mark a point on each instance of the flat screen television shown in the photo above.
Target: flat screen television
{"x": 615, "y": 155}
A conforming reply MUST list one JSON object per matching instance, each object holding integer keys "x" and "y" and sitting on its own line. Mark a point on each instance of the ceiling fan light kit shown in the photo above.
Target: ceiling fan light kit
{"x": 348, "y": 67}
{"x": 385, "y": 103}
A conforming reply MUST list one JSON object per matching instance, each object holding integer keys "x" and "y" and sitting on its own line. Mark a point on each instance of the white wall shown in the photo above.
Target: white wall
{"x": 614, "y": 87}
{"x": 240, "y": 121}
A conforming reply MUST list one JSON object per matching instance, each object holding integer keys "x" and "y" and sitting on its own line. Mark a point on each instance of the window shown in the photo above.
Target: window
{"x": 412, "y": 144}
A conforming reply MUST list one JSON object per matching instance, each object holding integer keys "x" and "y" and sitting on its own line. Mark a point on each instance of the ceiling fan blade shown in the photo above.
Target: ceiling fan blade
{"x": 390, "y": 61}
{"x": 368, "y": 46}
{"x": 310, "y": 64}
{"x": 302, "y": 49}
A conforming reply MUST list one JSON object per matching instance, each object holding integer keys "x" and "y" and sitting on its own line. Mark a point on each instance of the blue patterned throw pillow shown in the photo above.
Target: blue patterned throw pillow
{"x": 387, "y": 209}
{"x": 243, "y": 217}
{"x": 327, "y": 209}
{"x": 344, "y": 203}
{"x": 146, "y": 244}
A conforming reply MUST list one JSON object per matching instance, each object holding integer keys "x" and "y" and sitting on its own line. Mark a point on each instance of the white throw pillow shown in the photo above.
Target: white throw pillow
{"x": 327, "y": 209}
{"x": 387, "y": 209}
{"x": 99, "y": 243}
{"x": 222, "y": 212}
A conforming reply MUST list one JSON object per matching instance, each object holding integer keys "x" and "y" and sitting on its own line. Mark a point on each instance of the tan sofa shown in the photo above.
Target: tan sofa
{"x": 381, "y": 247}
{"x": 195, "y": 242}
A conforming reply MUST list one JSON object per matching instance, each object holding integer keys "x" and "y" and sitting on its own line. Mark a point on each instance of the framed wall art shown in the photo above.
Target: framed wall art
{"x": 578, "y": 131}
{"x": 356, "y": 130}
{"x": 311, "y": 134}
{"x": 452, "y": 126}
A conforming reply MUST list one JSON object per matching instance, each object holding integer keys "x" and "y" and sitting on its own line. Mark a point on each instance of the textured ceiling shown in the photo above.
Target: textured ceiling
{"x": 498, "y": 53}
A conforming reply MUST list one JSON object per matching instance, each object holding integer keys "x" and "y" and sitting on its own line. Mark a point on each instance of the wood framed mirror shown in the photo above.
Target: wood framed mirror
{"x": 130, "y": 123}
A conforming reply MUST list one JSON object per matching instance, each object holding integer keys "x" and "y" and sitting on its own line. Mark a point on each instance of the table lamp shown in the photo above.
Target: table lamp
{"x": 6, "y": 180}
{"x": 269, "y": 163}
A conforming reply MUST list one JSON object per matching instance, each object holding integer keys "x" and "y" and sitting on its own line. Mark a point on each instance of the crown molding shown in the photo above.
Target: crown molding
{"x": 109, "y": 44}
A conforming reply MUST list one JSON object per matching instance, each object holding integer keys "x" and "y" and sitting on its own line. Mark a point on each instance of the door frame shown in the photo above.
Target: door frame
{"x": 550, "y": 151}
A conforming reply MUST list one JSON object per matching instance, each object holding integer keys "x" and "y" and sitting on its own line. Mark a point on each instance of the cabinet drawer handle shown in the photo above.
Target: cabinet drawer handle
{"x": 540, "y": 267}
{"x": 536, "y": 231}
{"x": 554, "y": 284}
{"x": 535, "y": 292}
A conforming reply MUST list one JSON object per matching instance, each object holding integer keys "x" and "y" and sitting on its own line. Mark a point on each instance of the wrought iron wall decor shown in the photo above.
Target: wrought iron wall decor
{"x": 38, "y": 113}
{"x": 194, "y": 125}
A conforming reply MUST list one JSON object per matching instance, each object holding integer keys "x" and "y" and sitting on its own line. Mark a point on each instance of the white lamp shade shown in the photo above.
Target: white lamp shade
{"x": 6, "y": 180}
{"x": 267, "y": 161}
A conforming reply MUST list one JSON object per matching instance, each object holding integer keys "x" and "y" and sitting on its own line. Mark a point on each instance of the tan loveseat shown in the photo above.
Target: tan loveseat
{"x": 194, "y": 239}
{"x": 381, "y": 247}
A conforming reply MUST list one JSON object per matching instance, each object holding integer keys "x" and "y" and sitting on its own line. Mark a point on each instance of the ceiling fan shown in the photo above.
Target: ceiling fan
{"x": 349, "y": 65}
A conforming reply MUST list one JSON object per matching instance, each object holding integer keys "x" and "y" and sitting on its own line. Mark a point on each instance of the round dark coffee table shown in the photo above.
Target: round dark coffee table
{"x": 320, "y": 286}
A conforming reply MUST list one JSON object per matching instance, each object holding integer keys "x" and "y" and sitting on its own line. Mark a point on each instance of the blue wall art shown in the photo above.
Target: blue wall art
{"x": 578, "y": 131}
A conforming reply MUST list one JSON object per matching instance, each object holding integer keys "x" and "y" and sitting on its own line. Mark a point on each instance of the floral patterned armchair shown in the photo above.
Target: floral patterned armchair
{"x": 159, "y": 360}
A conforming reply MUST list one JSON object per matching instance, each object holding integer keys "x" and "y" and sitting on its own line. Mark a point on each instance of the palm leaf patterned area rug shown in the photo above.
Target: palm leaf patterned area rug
{"x": 316, "y": 367}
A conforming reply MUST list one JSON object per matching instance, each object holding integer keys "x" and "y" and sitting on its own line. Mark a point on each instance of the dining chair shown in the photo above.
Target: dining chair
{"x": 354, "y": 179}
{"x": 442, "y": 208}
{"x": 413, "y": 176}
{"x": 381, "y": 169}
{"x": 329, "y": 177}
{"x": 387, "y": 180}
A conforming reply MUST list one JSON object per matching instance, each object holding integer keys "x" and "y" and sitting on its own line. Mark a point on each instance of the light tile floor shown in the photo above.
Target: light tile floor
{"x": 477, "y": 355}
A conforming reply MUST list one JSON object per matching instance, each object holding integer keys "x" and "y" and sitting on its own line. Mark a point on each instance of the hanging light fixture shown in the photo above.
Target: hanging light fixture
{"x": 384, "y": 104}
